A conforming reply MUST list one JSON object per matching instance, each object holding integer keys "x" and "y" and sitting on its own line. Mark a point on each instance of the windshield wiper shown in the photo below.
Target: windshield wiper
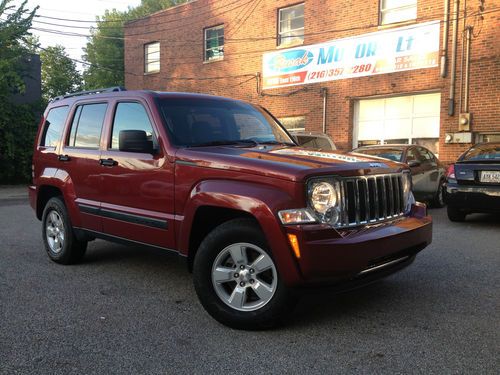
{"x": 226, "y": 142}
{"x": 277, "y": 143}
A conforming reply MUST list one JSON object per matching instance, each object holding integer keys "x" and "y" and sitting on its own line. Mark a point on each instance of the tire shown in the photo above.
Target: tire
{"x": 58, "y": 237}
{"x": 229, "y": 284}
{"x": 454, "y": 214}
{"x": 438, "y": 200}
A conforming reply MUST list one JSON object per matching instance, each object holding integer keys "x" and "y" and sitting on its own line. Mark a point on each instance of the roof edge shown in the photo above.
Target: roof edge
{"x": 159, "y": 12}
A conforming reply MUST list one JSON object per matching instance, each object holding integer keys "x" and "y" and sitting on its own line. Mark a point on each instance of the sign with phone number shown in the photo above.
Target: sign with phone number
{"x": 394, "y": 50}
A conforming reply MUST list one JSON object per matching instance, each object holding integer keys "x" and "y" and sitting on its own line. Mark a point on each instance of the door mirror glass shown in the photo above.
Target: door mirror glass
{"x": 135, "y": 141}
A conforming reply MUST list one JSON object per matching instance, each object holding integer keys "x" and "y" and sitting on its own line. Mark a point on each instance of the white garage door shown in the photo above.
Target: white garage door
{"x": 403, "y": 119}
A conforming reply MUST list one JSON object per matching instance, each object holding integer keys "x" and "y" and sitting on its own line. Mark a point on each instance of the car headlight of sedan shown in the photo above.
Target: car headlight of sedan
{"x": 407, "y": 193}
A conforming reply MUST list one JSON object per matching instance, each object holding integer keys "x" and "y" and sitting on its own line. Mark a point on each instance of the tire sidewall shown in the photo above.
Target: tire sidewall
{"x": 55, "y": 204}
{"x": 236, "y": 231}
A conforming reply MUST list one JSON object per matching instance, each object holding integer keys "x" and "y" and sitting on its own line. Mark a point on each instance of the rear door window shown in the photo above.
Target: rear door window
{"x": 53, "y": 127}
{"x": 87, "y": 125}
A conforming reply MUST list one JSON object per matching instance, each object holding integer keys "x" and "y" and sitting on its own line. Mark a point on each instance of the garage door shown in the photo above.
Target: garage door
{"x": 403, "y": 119}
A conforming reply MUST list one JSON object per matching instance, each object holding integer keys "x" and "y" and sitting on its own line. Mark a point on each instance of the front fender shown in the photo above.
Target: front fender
{"x": 260, "y": 201}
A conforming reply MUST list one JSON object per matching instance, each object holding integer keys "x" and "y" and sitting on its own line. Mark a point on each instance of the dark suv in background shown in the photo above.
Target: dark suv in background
{"x": 221, "y": 183}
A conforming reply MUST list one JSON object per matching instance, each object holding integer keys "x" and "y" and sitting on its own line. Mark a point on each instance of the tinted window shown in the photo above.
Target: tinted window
{"x": 386, "y": 153}
{"x": 87, "y": 125}
{"x": 53, "y": 126}
{"x": 130, "y": 116}
{"x": 410, "y": 155}
{"x": 483, "y": 152}
{"x": 426, "y": 156}
{"x": 192, "y": 122}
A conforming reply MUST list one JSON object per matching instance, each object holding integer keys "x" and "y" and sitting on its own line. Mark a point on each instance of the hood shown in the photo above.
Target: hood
{"x": 290, "y": 163}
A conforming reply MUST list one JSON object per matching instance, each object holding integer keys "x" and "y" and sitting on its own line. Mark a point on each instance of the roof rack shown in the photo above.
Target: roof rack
{"x": 90, "y": 92}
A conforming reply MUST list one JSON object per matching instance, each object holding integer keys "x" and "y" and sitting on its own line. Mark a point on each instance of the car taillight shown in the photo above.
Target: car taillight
{"x": 450, "y": 173}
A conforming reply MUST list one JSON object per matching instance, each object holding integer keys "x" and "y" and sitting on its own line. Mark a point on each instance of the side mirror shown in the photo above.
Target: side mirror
{"x": 135, "y": 141}
{"x": 414, "y": 163}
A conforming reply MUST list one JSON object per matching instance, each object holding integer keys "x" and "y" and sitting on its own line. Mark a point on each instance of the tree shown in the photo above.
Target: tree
{"x": 104, "y": 53}
{"x": 59, "y": 73}
{"x": 17, "y": 122}
{"x": 14, "y": 26}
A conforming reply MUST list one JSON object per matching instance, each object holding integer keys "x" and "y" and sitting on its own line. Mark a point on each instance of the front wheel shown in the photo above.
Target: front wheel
{"x": 236, "y": 278}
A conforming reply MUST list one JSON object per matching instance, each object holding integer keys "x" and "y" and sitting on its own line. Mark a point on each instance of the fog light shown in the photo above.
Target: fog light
{"x": 332, "y": 215}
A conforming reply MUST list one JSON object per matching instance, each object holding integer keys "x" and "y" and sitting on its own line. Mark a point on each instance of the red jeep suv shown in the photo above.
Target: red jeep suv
{"x": 221, "y": 183}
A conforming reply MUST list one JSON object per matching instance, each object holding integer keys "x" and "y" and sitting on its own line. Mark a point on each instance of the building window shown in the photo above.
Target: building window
{"x": 291, "y": 25}
{"x": 392, "y": 11}
{"x": 410, "y": 119}
{"x": 152, "y": 57}
{"x": 297, "y": 123}
{"x": 214, "y": 43}
{"x": 488, "y": 137}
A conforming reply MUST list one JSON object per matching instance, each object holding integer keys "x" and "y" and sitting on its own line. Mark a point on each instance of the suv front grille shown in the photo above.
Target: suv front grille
{"x": 371, "y": 199}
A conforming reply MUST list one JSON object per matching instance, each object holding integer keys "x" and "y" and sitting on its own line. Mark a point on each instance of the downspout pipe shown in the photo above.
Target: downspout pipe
{"x": 324, "y": 94}
{"x": 451, "y": 100}
{"x": 444, "y": 49}
{"x": 468, "y": 35}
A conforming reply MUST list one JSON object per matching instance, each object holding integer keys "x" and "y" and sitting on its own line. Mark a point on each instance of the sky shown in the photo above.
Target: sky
{"x": 85, "y": 10}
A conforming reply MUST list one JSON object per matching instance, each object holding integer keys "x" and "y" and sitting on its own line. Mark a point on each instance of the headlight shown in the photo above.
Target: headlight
{"x": 323, "y": 196}
{"x": 407, "y": 184}
{"x": 324, "y": 199}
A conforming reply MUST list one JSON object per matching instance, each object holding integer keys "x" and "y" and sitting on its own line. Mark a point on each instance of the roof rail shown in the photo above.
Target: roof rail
{"x": 90, "y": 92}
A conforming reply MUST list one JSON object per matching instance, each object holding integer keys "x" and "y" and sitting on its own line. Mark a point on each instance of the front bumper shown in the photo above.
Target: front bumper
{"x": 483, "y": 198}
{"x": 329, "y": 256}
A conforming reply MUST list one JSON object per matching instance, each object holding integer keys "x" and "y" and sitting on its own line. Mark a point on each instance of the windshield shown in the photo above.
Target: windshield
{"x": 193, "y": 122}
{"x": 489, "y": 151}
{"x": 386, "y": 153}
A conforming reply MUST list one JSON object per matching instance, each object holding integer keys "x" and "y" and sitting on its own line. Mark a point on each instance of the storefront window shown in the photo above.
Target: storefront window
{"x": 297, "y": 123}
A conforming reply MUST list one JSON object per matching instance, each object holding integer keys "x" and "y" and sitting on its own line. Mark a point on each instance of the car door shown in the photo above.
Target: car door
{"x": 137, "y": 189}
{"x": 79, "y": 158}
{"x": 430, "y": 172}
{"x": 413, "y": 159}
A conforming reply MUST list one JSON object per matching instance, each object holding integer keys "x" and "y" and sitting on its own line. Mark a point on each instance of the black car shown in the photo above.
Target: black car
{"x": 428, "y": 173}
{"x": 473, "y": 182}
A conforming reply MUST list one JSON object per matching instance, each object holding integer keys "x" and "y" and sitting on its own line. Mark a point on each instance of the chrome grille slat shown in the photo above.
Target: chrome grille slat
{"x": 358, "y": 205}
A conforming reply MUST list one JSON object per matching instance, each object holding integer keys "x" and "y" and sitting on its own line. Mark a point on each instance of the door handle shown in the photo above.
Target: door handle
{"x": 63, "y": 158}
{"x": 108, "y": 162}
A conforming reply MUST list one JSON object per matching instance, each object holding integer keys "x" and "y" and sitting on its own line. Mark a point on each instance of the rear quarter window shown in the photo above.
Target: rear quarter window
{"x": 53, "y": 126}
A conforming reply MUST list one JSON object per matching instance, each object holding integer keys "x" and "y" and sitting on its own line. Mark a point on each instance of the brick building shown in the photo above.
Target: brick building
{"x": 366, "y": 71}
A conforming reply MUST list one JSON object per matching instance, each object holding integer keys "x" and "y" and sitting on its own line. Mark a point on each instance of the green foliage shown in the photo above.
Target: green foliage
{"x": 17, "y": 122}
{"x": 105, "y": 49}
{"x": 59, "y": 73}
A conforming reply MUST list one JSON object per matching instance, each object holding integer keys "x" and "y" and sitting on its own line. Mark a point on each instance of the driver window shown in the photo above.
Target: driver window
{"x": 131, "y": 116}
{"x": 410, "y": 155}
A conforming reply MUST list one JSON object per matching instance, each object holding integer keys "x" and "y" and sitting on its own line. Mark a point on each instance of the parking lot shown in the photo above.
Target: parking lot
{"x": 131, "y": 310}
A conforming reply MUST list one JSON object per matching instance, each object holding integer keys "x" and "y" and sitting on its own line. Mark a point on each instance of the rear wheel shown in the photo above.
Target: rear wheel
{"x": 236, "y": 278}
{"x": 58, "y": 237}
{"x": 454, "y": 214}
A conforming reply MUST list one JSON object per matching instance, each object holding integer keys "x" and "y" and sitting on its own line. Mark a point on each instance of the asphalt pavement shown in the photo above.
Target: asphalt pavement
{"x": 128, "y": 310}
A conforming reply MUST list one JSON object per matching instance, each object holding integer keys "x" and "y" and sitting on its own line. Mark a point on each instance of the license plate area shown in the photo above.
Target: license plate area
{"x": 490, "y": 177}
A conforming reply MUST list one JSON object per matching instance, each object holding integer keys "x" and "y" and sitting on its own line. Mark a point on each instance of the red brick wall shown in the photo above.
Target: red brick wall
{"x": 180, "y": 31}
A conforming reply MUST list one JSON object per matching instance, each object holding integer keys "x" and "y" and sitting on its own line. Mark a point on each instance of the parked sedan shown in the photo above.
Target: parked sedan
{"x": 428, "y": 174}
{"x": 317, "y": 141}
{"x": 474, "y": 182}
